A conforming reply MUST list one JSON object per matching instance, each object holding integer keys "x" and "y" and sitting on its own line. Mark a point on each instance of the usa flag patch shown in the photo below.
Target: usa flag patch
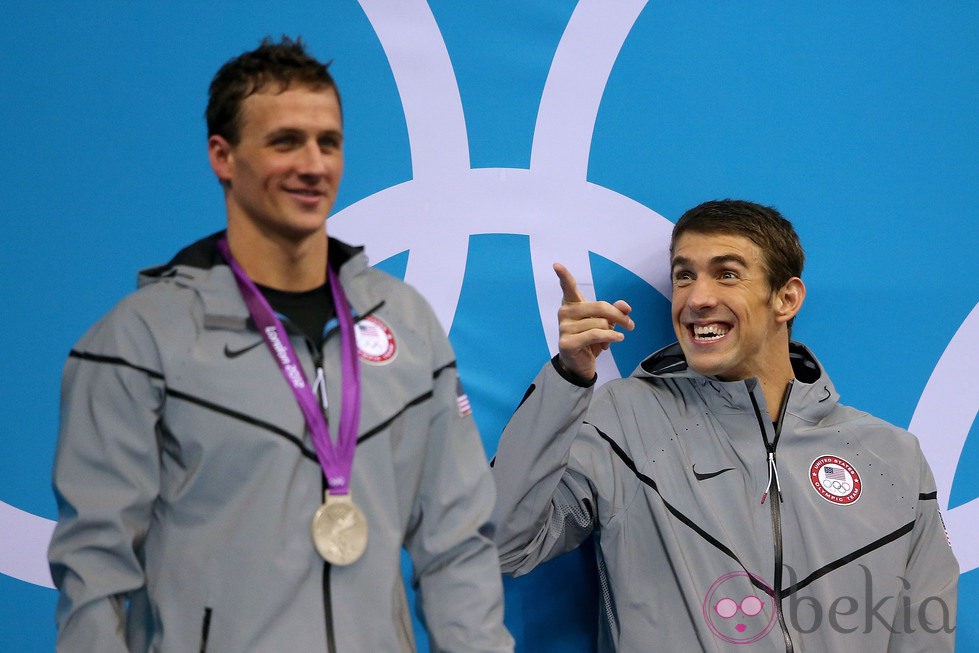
{"x": 462, "y": 400}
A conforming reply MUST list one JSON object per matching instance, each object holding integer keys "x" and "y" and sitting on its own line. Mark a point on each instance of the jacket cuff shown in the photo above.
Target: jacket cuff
{"x": 570, "y": 376}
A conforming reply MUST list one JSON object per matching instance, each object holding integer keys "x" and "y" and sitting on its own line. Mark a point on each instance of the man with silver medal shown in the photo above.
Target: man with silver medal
{"x": 195, "y": 448}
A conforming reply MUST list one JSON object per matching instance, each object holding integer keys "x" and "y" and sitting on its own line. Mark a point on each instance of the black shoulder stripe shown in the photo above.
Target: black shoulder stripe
{"x": 112, "y": 360}
{"x": 439, "y": 371}
{"x": 526, "y": 395}
{"x": 926, "y": 496}
{"x": 862, "y": 551}
{"x": 370, "y": 311}
{"x": 383, "y": 425}
{"x": 674, "y": 511}
{"x": 248, "y": 419}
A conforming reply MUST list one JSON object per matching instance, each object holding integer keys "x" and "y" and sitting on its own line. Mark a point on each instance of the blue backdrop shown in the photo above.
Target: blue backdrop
{"x": 485, "y": 140}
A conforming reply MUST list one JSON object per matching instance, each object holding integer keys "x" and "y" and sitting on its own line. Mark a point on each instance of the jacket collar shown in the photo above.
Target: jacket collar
{"x": 201, "y": 267}
{"x": 812, "y": 396}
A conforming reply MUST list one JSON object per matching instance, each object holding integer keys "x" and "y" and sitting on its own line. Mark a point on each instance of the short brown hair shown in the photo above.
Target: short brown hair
{"x": 762, "y": 225}
{"x": 284, "y": 63}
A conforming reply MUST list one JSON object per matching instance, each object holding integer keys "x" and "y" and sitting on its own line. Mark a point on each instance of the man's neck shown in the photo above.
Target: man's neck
{"x": 293, "y": 265}
{"x": 775, "y": 383}
{"x": 774, "y": 391}
{"x": 774, "y": 374}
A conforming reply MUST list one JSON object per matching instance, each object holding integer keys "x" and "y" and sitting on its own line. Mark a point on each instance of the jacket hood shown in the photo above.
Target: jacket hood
{"x": 203, "y": 255}
{"x": 200, "y": 267}
{"x": 670, "y": 362}
{"x": 812, "y": 386}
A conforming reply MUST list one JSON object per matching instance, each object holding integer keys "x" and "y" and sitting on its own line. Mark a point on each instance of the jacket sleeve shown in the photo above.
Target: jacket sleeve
{"x": 929, "y": 598}
{"x": 546, "y": 501}
{"x": 456, "y": 569}
{"x": 106, "y": 476}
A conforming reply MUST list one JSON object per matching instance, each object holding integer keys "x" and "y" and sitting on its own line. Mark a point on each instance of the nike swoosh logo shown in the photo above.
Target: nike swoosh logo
{"x": 235, "y": 353}
{"x": 704, "y": 477}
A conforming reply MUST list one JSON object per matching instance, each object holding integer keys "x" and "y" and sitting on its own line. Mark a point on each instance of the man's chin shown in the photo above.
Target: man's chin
{"x": 703, "y": 363}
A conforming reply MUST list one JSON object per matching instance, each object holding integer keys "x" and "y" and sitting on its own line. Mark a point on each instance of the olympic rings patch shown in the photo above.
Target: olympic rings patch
{"x": 835, "y": 480}
{"x": 375, "y": 341}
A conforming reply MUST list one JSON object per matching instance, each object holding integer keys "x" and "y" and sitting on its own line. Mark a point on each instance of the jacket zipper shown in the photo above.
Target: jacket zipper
{"x": 774, "y": 504}
{"x": 331, "y": 643}
{"x": 319, "y": 389}
{"x": 205, "y": 629}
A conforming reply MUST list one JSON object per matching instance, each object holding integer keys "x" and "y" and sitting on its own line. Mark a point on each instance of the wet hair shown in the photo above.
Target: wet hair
{"x": 280, "y": 65}
{"x": 782, "y": 252}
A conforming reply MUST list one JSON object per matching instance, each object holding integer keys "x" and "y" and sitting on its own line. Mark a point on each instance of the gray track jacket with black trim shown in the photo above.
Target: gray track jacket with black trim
{"x": 186, "y": 481}
{"x": 668, "y": 469}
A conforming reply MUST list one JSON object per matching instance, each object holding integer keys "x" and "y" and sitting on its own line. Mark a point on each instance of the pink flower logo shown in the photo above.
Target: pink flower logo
{"x": 739, "y": 608}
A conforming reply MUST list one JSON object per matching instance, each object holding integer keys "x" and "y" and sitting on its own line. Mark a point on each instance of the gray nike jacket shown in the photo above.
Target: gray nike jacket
{"x": 717, "y": 530}
{"x": 186, "y": 479}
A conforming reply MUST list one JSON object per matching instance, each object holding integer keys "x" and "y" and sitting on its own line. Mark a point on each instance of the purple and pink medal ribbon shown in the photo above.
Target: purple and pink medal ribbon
{"x": 336, "y": 460}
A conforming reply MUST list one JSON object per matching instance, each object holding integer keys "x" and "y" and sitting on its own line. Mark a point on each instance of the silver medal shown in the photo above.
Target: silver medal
{"x": 339, "y": 530}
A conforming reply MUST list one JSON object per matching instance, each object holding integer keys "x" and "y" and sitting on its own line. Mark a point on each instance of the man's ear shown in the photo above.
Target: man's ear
{"x": 788, "y": 299}
{"x": 221, "y": 155}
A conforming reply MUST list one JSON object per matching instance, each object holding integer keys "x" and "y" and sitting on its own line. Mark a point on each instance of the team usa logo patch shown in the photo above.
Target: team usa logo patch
{"x": 835, "y": 479}
{"x": 375, "y": 341}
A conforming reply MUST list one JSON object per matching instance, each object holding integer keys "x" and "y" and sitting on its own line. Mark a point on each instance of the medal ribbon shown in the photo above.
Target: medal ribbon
{"x": 336, "y": 460}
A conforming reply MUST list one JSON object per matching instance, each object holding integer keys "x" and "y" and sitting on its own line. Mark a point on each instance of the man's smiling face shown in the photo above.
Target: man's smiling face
{"x": 723, "y": 308}
{"x": 282, "y": 175}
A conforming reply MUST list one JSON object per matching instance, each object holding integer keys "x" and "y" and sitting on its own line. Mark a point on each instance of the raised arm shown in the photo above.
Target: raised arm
{"x": 544, "y": 505}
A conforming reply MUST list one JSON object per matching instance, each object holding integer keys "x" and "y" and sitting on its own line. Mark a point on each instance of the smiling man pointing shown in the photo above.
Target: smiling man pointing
{"x": 733, "y": 499}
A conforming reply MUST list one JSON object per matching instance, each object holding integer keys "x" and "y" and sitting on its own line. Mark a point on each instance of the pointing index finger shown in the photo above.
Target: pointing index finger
{"x": 569, "y": 287}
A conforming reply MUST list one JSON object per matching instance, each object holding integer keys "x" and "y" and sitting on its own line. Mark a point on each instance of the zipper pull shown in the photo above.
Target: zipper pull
{"x": 772, "y": 475}
{"x": 319, "y": 387}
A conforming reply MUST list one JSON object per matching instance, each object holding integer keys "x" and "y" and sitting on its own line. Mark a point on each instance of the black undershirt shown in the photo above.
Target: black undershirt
{"x": 309, "y": 310}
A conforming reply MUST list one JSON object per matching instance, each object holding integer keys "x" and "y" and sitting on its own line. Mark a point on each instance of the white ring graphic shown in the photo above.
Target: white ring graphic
{"x": 448, "y": 198}
{"x": 24, "y": 545}
{"x": 942, "y": 420}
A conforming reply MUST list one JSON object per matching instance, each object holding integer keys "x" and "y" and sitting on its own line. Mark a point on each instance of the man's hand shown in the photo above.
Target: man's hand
{"x": 586, "y": 329}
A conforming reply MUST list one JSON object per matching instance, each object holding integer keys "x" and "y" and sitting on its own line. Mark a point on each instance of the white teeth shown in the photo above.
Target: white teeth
{"x": 709, "y": 332}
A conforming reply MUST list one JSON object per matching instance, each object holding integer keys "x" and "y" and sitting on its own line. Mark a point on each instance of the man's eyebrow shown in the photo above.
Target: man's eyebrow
{"x": 721, "y": 259}
{"x": 679, "y": 261}
{"x": 729, "y": 258}
{"x": 336, "y": 134}
{"x": 283, "y": 131}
